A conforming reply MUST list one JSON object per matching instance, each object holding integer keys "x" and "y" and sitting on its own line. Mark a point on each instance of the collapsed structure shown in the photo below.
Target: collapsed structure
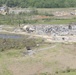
{"x": 4, "y": 10}
{"x": 55, "y": 33}
{"x": 69, "y": 29}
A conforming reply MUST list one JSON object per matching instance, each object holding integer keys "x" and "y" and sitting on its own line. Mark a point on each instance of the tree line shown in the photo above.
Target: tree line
{"x": 39, "y": 3}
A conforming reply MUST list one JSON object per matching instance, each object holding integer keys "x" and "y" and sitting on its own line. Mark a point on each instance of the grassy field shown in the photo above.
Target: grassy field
{"x": 16, "y": 21}
{"x": 48, "y": 59}
{"x": 37, "y": 17}
{"x": 59, "y": 60}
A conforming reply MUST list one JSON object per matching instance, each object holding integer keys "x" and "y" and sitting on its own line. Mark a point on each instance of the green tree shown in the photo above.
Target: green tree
{"x": 39, "y": 3}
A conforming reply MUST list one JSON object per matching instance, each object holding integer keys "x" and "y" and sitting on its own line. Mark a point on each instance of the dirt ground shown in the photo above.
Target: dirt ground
{"x": 53, "y": 60}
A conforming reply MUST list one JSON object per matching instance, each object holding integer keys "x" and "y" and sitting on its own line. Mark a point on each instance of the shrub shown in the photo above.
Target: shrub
{"x": 8, "y": 43}
{"x": 17, "y": 43}
{"x": 48, "y": 14}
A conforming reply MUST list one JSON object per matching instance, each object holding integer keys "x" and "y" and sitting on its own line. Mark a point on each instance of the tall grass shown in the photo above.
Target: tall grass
{"x": 30, "y": 17}
{"x": 19, "y": 42}
{"x": 9, "y": 43}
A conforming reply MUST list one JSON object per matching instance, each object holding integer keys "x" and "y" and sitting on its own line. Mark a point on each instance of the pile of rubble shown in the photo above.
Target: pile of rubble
{"x": 54, "y": 29}
{"x": 65, "y": 13}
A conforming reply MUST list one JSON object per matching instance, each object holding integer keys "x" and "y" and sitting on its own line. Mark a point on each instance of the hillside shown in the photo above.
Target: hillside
{"x": 39, "y": 3}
